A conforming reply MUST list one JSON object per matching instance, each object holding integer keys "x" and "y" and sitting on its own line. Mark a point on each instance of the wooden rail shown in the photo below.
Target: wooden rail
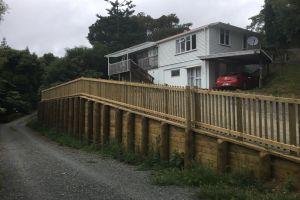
{"x": 272, "y": 122}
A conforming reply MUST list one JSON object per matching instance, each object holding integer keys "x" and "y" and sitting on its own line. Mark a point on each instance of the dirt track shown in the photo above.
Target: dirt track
{"x": 34, "y": 168}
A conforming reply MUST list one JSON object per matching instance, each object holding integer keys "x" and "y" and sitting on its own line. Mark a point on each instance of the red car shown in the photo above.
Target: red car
{"x": 236, "y": 80}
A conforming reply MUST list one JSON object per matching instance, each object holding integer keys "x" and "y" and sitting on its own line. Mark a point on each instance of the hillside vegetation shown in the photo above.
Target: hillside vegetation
{"x": 284, "y": 80}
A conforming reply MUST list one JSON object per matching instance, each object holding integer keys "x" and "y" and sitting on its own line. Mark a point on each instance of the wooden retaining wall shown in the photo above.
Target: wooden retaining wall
{"x": 100, "y": 122}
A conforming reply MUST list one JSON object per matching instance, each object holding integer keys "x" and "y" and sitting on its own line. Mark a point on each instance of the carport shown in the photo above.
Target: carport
{"x": 254, "y": 57}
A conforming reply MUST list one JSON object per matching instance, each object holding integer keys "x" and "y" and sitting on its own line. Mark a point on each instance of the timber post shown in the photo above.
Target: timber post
{"x": 189, "y": 136}
{"x": 105, "y": 118}
{"x": 118, "y": 126}
{"x": 81, "y": 118}
{"x": 165, "y": 143}
{"x": 265, "y": 169}
{"x": 222, "y": 156}
{"x": 96, "y": 124}
{"x": 145, "y": 136}
{"x": 130, "y": 132}
{"x": 90, "y": 122}
{"x": 71, "y": 116}
{"x": 76, "y": 117}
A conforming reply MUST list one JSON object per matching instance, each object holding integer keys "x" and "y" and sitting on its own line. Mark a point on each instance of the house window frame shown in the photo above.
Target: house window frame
{"x": 176, "y": 71}
{"x": 194, "y": 76}
{"x": 182, "y": 44}
{"x": 225, "y": 33}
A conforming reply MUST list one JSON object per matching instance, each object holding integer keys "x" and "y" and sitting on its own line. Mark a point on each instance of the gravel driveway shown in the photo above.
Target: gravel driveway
{"x": 34, "y": 168}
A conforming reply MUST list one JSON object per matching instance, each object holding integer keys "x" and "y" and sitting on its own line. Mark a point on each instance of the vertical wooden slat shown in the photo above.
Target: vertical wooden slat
{"x": 283, "y": 122}
{"x": 239, "y": 116}
{"x": 265, "y": 103}
{"x": 255, "y": 132}
{"x": 292, "y": 124}
{"x": 277, "y": 122}
{"x": 249, "y": 120}
{"x": 272, "y": 120}
{"x": 259, "y": 118}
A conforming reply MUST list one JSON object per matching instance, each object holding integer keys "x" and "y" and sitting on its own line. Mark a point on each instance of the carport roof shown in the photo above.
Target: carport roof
{"x": 253, "y": 56}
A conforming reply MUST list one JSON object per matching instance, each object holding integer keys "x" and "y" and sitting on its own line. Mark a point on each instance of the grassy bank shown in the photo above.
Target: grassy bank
{"x": 282, "y": 81}
{"x": 212, "y": 186}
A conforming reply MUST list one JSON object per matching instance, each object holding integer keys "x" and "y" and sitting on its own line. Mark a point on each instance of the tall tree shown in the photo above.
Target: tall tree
{"x": 121, "y": 28}
{"x": 20, "y": 78}
{"x": 279, "y": 20}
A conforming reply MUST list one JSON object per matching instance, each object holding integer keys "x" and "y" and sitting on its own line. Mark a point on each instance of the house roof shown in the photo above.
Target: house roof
{"x": 252, "y": 56}
{"x": 220, "y": 24}
{"x": 151, "y": 44}
{"x": 132, "y": 49}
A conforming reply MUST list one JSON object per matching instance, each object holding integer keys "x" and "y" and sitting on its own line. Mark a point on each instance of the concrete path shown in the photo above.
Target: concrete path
{"x": 34, "y": 168}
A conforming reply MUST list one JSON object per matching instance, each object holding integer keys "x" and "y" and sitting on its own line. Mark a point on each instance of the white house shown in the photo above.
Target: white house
{"x": 196, "y": 57}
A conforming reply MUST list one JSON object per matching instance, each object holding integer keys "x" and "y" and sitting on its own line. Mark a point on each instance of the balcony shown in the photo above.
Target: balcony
{"x": 119, "y": 67}
{"x": 125, "y": 65}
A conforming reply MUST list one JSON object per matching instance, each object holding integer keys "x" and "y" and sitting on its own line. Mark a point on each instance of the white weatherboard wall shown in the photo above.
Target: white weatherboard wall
{"x": 168, "y": 60}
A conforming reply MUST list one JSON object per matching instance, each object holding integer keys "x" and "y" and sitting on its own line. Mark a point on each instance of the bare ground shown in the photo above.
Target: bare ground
{"x": 34, "y": 168}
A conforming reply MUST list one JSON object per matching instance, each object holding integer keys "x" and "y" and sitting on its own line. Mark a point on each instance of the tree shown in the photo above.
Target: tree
{"x": 3, "y": 8}
{"x": 20, "y": 78}
{"x": 279, "y": 20}
{"x": 78, "y": 61}
{"x": 121, "y": 28}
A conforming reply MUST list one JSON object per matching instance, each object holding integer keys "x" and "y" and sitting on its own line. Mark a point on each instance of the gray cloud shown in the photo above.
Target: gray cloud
{"x": 53, "y": 25}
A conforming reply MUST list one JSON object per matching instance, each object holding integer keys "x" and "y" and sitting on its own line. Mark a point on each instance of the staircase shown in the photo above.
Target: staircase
{"x": 140, "y": 75}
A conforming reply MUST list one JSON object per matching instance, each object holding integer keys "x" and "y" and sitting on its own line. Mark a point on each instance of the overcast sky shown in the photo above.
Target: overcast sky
{"x": 53, "y": 25}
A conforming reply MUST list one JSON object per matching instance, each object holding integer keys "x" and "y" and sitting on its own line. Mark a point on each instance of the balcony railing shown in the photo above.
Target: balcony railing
{"x": 148, "y": 62}
{"x": 119, "y": 67}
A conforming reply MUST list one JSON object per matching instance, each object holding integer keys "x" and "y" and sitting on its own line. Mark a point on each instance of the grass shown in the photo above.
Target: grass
{"x": 282, "y": 81}
{"x": 212, "y": 186}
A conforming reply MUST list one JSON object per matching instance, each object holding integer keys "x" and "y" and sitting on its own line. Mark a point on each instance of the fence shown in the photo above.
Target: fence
{"x": 272, "y": 122}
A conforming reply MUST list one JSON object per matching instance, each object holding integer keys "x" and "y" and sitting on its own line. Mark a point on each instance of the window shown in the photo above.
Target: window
{"x": 224, "y": 37}
{"x": 194, "y": 77}
{"x": 186, "y": 44}
{"x": 175, "y": 72}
